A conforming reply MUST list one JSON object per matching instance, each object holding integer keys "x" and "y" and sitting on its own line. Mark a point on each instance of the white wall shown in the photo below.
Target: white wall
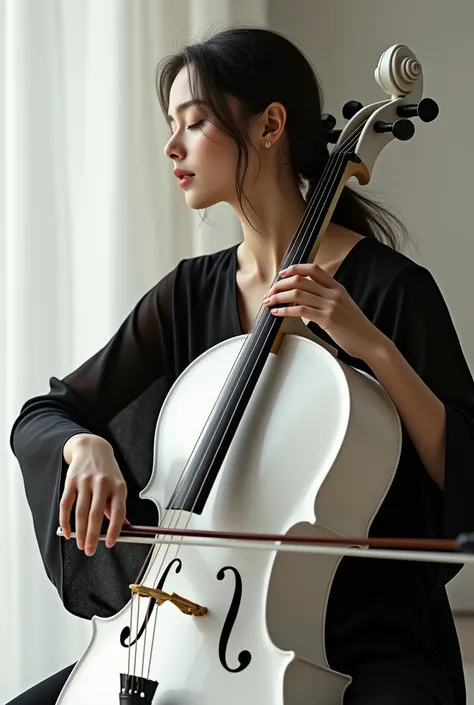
{"x": 428, "y": 180}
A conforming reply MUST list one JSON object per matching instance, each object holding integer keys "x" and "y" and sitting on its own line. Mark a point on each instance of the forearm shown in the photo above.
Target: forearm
{"x": 420, "y": 411}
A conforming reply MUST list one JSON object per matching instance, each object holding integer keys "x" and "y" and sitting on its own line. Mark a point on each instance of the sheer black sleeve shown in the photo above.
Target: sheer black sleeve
{"x": 413, "y": 313}
{"x": 116, "y": 394}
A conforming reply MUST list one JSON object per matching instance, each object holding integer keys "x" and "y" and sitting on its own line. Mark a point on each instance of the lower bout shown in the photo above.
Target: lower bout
{"x": 384, "y": 683}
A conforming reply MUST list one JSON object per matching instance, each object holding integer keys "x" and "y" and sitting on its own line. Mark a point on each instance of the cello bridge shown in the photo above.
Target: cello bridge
{"x": 182, "y": 603}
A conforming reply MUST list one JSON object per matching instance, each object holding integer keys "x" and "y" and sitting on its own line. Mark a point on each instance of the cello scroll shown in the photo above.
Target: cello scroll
{"x": 400, "y": 75}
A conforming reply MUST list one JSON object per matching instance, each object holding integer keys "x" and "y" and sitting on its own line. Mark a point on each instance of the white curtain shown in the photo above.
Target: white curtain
{"x": 90, "y": 218}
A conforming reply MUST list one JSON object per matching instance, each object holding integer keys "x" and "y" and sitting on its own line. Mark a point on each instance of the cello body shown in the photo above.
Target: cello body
{"x": 314, "y": 455}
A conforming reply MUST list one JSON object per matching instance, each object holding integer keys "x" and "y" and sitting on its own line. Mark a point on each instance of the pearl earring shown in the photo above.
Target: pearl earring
{"x": 268, "y": 144}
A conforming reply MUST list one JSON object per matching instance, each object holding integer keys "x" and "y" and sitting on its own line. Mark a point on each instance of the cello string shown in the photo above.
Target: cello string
{"x": 153, "y": 635}
{"x": 301, "y": 245}
{"x": 252, "y": 343}
{"x": 136, "y": 644}
{"x": 334, "y": 166}
{"x": 320, "y": 195}
{"x": 132, "y": 602}
{"x": 144, "y": 640}
{"x": 183, "y": 474}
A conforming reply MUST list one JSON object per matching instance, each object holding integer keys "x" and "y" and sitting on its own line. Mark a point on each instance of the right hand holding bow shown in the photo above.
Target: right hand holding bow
{"x": 96, "y": 485}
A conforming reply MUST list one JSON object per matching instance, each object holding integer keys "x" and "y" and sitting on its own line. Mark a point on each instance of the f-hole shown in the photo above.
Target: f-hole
{"x": 125, "y": 633}
{"x": 244, "y": 657}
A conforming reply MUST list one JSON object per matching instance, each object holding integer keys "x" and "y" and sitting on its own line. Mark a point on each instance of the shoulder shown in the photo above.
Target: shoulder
{"x": 208, "y": 265}
{"x": 201, "y": 273}
{"x": 387, "y": 284}
{"x": 196, "y": 283}
{"x": 374, "y": 268}
{"x": 183, "y": 288}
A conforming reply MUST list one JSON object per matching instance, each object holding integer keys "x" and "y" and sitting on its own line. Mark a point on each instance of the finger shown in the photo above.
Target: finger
{"x": 311, "y": 270}
{"x": 299, "y": 282}
{"x": 83, "y": 504}
{"x": 298, "y": 311}
{"x": 96, "y": 514}
{"x": 66, "y": 504}
{"x": 295, "y": 296}
{"x": 108, "y": 511}
{"x": 117, "y": 519}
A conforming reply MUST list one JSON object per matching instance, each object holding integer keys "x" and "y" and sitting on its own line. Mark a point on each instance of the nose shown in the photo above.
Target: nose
{"x": 173, "y": 149}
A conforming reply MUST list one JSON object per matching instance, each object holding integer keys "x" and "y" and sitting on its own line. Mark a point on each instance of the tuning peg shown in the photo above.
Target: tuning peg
{"x": 333, "y": 136}
{"x": 401, "y": 129}
{"x": 351, "y": 108}
{"x": 329, "y": 121}
{"x": 427, "y": 110}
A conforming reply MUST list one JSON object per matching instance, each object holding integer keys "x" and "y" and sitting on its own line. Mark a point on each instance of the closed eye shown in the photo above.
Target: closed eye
{"x": 195, "y": 125}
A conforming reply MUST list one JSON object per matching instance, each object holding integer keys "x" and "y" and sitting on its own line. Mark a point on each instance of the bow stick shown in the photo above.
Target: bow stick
{"x": 460, "y": 550}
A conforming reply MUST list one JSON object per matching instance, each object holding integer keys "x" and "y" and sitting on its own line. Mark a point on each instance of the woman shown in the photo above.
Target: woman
{"x": 245, "y": 117}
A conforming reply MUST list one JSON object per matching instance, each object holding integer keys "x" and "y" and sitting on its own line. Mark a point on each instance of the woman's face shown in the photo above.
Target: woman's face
{"x": 198, "y": 147}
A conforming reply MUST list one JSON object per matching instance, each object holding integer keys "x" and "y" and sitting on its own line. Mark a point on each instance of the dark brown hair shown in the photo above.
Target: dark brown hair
{"x": 258, "y": 67}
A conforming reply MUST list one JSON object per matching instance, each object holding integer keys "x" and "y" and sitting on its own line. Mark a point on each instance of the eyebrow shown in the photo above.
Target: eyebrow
{"x": 184, "y": 106}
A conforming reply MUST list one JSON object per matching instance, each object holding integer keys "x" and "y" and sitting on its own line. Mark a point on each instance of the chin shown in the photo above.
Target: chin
{"x": 199, "y": 201}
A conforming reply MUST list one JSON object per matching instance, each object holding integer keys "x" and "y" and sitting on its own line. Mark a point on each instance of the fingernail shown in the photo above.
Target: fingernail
{"x": 265, "y": 301}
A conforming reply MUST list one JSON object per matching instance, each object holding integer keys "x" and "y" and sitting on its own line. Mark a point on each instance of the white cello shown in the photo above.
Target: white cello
{"x": 207, "y": 626}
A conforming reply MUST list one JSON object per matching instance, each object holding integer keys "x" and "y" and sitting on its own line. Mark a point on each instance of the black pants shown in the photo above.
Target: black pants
{"x": 367, "y": 689}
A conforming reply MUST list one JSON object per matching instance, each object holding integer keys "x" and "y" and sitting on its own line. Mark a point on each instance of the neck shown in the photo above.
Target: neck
{"x": 274, "y": 220}
{"x": 260, "y": 255}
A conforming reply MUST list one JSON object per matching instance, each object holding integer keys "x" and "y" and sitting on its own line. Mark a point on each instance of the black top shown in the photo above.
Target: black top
{"x": 379, "y": 610}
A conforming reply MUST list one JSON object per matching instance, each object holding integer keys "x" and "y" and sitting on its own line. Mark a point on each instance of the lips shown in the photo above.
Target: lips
{"x": 180, "y": 173}
{"x": 185, "y": 177}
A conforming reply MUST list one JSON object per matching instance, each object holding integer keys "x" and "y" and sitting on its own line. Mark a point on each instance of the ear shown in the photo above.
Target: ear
{"x": 271, "y": 123}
